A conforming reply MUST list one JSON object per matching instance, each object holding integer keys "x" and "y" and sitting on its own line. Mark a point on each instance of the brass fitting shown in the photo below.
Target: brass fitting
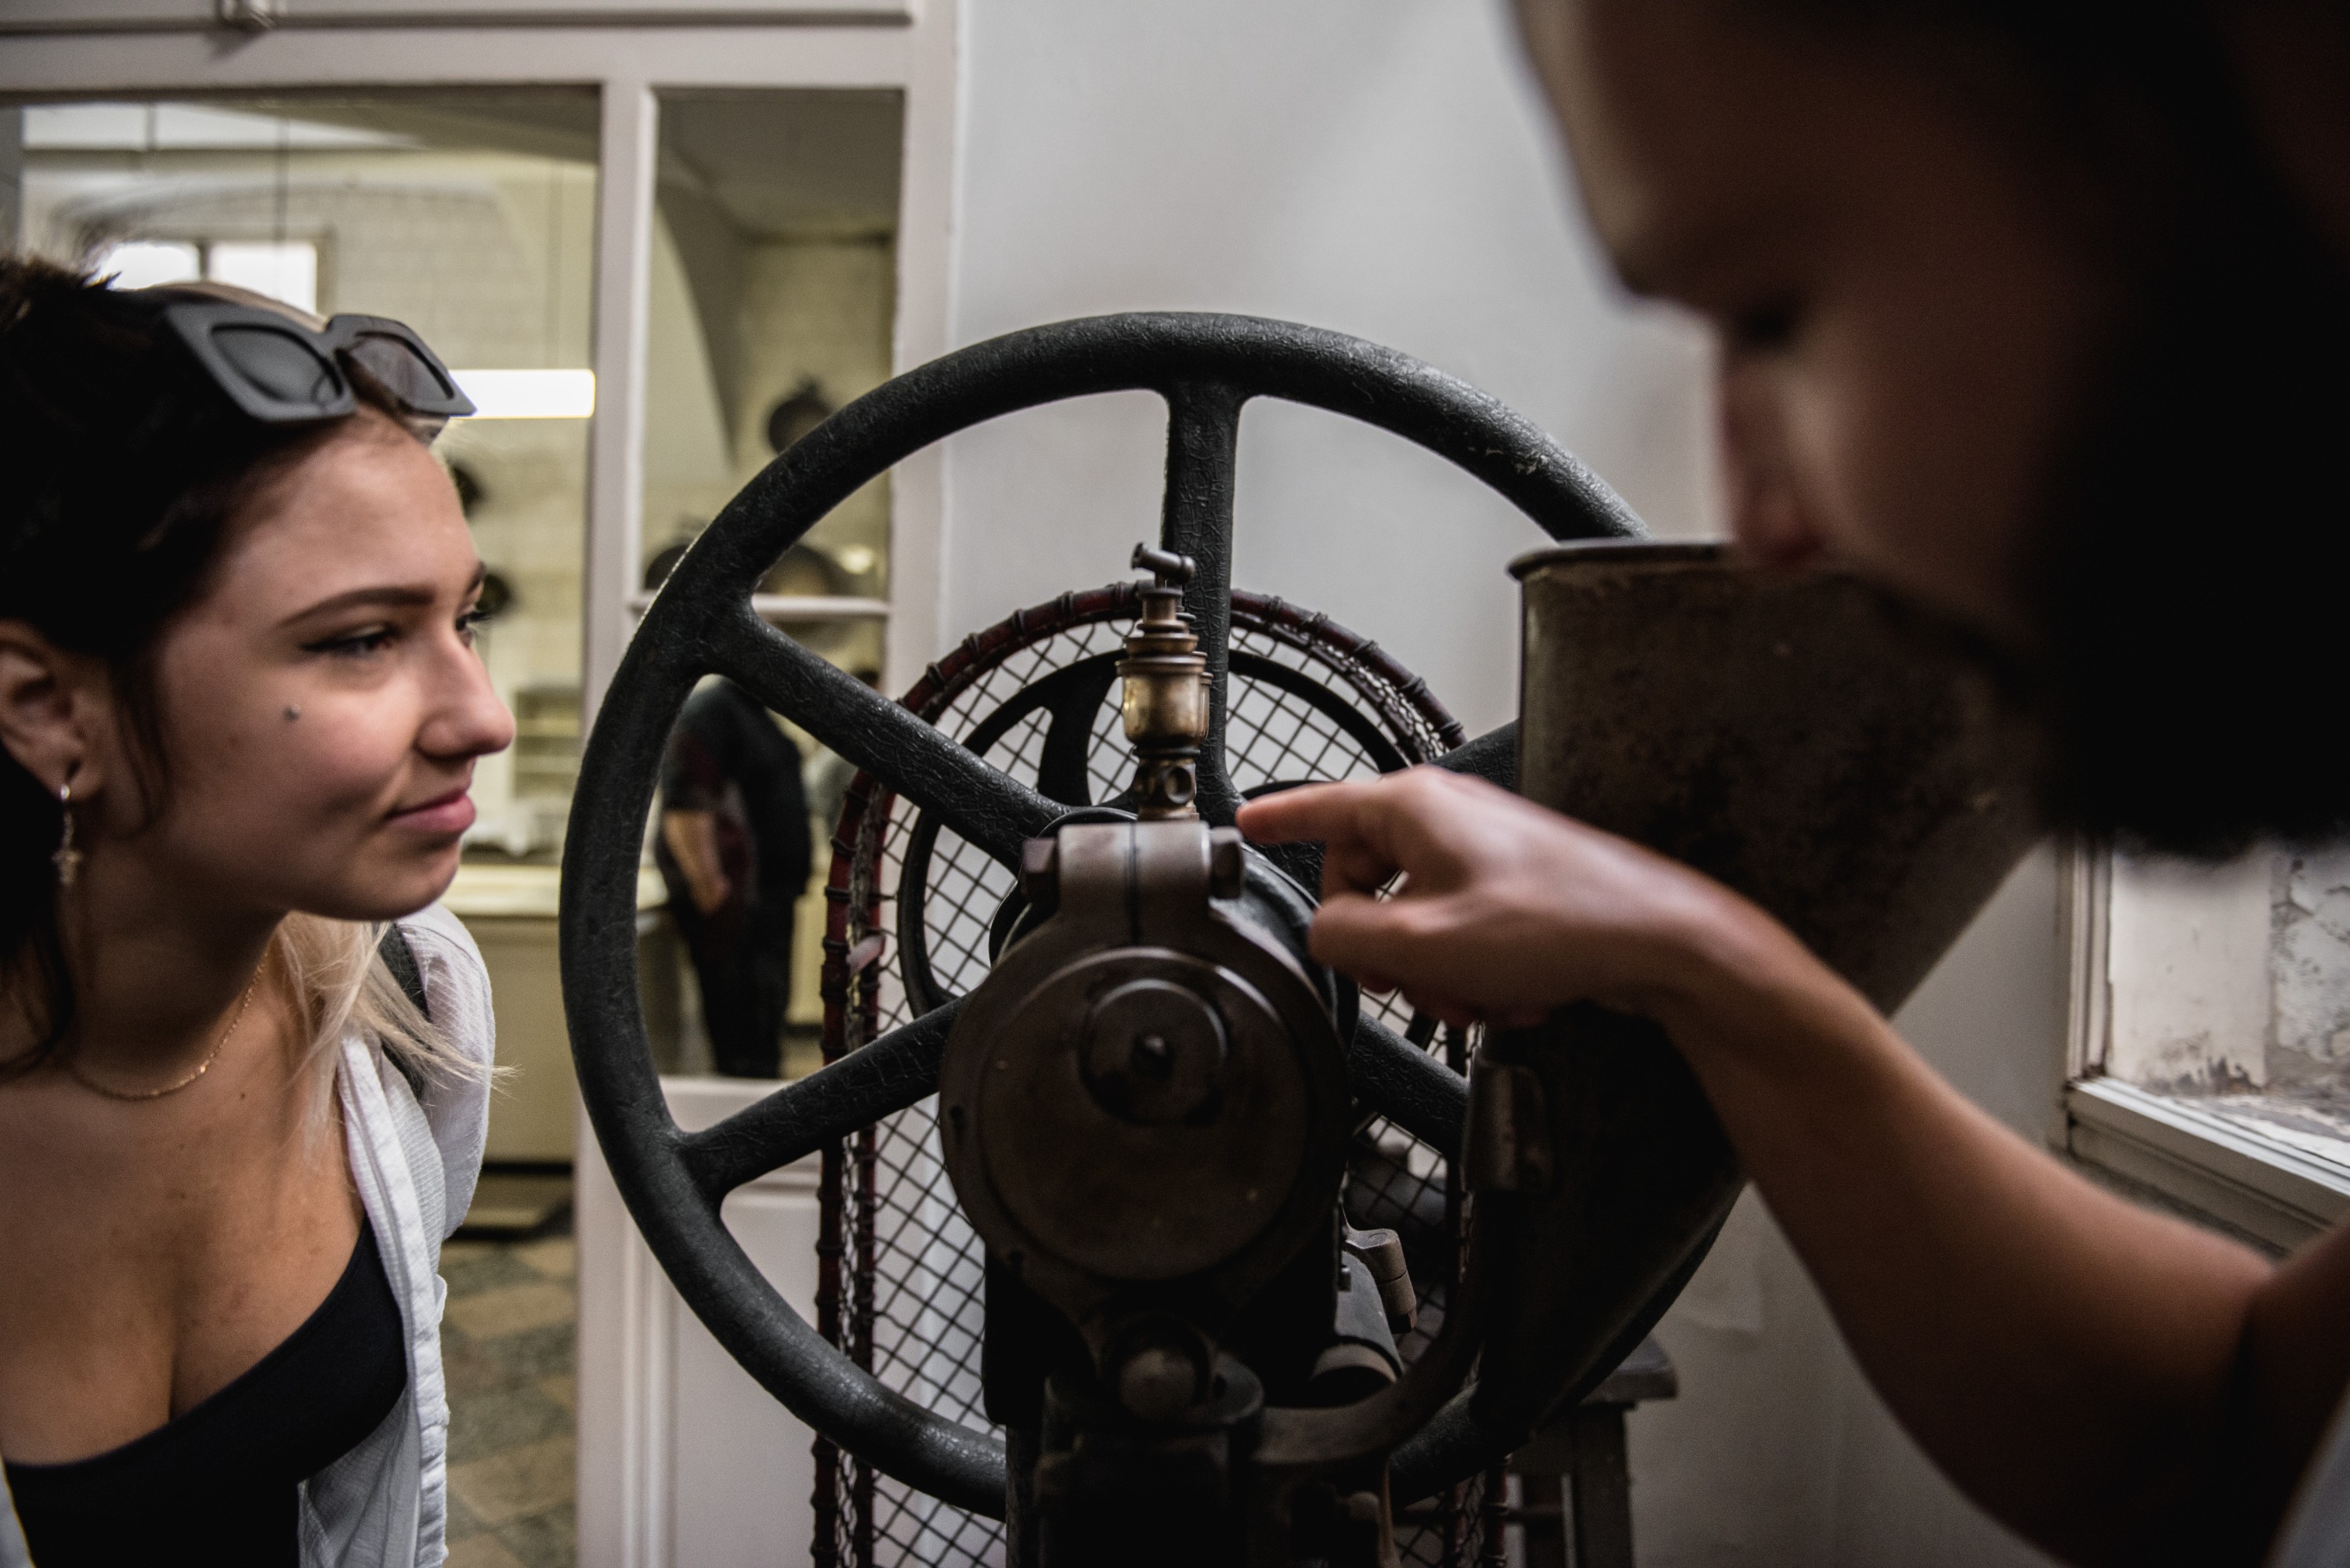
{"x": 1165, "y": 700}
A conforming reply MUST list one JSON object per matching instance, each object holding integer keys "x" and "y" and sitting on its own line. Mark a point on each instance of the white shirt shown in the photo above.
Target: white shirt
{"x": 385, "y": 1504}
{"x": 2316, "y": 1532}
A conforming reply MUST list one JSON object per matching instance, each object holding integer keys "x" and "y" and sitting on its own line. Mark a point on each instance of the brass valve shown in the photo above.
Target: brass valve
{"x": 1165, "y": 701}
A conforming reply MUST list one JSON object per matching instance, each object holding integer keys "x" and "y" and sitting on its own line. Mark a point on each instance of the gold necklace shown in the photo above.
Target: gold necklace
{"x": 202, "y": 1067}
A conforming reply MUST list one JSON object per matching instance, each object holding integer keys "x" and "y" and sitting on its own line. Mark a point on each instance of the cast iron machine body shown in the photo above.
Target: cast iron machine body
{"x": 905, "y": 1286}
{"x": 1144, "y": 1108}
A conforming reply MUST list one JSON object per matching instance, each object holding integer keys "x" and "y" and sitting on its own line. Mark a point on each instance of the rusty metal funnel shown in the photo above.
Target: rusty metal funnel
{"x": 1803, "y": 740}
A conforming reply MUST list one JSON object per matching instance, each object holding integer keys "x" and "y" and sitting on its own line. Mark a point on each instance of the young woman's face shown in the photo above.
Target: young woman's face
{"x": 1906, "y": 320}
{"x": 322, "y": 704}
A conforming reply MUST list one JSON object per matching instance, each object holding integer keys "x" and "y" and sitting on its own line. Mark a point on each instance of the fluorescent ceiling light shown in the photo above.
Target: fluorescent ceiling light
{"x": 529, "y": 394}
{"x": 286, "y": 270}
{"x": 144, "y": 263}
{"x": 184, "y": 127}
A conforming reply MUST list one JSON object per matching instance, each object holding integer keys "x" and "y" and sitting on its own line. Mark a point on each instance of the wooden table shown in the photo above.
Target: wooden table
{"x": 1575, "y": 1486}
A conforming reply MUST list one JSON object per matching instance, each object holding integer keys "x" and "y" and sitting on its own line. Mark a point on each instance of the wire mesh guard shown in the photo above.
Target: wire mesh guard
{"x": 901, "y": 1271}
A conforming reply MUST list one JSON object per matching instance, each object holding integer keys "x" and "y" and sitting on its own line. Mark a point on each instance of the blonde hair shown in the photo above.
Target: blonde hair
{"x": 338, "y": 978}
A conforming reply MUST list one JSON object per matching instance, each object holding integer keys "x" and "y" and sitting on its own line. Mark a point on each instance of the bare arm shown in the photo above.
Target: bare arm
{"x": 692, "y": 840}
{"x": 2115, "y": 1384}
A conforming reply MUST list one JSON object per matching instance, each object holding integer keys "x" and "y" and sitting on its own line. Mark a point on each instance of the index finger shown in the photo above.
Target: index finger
{"x": 1320, "y": 811}
{"x": 1355, "y": 822}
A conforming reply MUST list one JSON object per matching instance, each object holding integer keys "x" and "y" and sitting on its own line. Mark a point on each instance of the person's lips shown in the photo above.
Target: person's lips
{"x": 450, "y": 813}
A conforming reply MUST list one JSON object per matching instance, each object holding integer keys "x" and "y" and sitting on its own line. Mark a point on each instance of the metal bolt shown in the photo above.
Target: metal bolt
{"x": 1381, "y": 1252}
{"x": 1040, "y": 868}
{"x": 1158, "y": 1383}
{"x": 1153, "y": 1057}
{"x": 1153, "y": 1053}
{"x": 1165, "y": 565}
{"x": 1227, "y": 863}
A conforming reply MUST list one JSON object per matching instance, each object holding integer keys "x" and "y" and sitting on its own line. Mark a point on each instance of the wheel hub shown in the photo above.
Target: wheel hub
{"x": 1147, "y": 1101}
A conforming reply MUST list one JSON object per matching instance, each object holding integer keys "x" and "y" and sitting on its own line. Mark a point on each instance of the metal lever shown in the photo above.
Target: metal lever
{"x": 1382, "y": 1253}
{"x": 1166, "y": 692}
{"x": 1171, "y": 570}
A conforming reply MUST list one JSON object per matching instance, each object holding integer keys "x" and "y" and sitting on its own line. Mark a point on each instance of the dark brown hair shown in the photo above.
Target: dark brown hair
{"x": 2193, "y": 534}
{"x": 120, "y": 465}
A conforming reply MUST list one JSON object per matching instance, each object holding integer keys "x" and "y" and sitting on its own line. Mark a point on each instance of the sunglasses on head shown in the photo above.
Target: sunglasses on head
{"x": 281, "y": 371}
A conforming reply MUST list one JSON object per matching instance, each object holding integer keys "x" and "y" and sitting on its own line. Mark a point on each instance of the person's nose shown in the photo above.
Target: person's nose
{"x": 468, "y": 720}
{"x": 1766, "y": 514}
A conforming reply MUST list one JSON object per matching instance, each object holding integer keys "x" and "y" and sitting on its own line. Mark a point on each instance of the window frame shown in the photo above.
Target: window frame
{"x": 2158, "y": 1146}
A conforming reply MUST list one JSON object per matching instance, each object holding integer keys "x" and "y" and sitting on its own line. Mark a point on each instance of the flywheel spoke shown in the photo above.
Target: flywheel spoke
{"x": 1203, "y": 428}
{"x": 899, "y": 1070}
{"x": 989, "y": 808}
{"x": 1063, "y": 764}
{"x": 1410, "y": 1088}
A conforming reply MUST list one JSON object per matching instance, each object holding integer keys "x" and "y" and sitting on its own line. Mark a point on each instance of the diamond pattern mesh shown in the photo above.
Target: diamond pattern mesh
{"x": 905, "y": 1299}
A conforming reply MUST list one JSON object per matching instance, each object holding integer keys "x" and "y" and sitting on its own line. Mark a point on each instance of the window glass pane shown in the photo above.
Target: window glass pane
{"x": 282, "y": 269}
{"x": 2230, "y": 987}
{"x": 144, "y": 263}
{"x": 774, "y": 298}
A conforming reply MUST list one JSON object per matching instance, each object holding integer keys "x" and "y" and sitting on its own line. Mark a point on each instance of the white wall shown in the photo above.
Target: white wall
{"x": 1382, "y": 167}
{"x": 1777, "y": 1452}
{"x": 1378, "y": 167}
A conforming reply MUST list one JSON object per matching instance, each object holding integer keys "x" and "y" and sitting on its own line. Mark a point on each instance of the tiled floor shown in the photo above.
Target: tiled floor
{"x": 507, "y": 1342}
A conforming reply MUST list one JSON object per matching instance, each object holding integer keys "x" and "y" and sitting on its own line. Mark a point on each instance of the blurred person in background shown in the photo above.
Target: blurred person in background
{"x": 732, "y": 849}
{"x": 734, "y": 852}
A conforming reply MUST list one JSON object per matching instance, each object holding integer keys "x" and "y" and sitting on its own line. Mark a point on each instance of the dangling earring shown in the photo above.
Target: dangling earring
{"x": 67, "y": 859}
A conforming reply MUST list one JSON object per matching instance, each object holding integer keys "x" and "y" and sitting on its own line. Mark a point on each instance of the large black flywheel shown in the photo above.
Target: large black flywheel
{"x": 1206, "y": 367}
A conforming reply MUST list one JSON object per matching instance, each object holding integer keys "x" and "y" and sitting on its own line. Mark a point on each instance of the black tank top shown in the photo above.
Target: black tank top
{"x": 218, "y": 1484}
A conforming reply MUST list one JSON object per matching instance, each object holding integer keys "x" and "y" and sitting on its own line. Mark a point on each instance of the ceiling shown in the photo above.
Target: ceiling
{"x": 783, "y": 162}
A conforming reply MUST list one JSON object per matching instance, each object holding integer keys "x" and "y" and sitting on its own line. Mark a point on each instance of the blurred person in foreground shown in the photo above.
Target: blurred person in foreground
{"x": 2037, "y": 312}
